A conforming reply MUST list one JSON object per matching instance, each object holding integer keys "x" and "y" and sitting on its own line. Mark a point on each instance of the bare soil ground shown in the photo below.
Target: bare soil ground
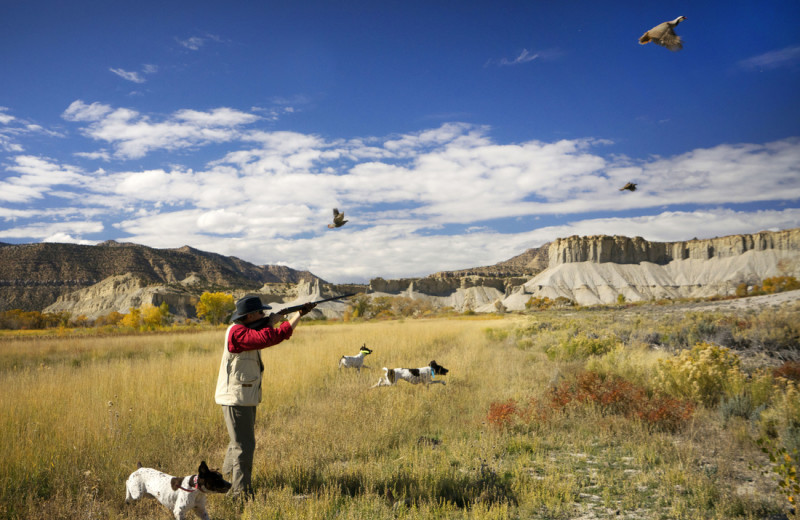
{"x": 755, "y": 303}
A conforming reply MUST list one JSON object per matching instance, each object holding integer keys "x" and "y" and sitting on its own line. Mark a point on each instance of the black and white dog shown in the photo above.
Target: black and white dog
{"x": 415, "y": 376}
{"x": 356, "y": 361}
{"x": 178, "y": 494}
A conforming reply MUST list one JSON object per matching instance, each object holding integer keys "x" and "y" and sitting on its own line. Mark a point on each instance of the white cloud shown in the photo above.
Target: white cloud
{"x": 99, "y": 154}
{"x": 524, "y": 57}
{"x": 80, "y": 111}
{"x": 5, "y": 118}
{"x": 133, "y": 135}
{"x": 48, "y": 231}
{"x": 193, "y": 43}
{"x": 66, "y": 238}
{"x": 12, "y": 129}
{"x": 35, "y": 177}
{"x": 129, "y": 76}
{"x": 786, "y": 57}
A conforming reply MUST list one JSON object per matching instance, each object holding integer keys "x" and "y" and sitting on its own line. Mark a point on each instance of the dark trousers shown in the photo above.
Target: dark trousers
{"x": 241, "y": 423}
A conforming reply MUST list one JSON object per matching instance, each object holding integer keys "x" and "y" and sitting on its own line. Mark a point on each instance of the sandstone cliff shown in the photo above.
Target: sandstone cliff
{"x": 598, "y": 269}
{"x": 625, "y": 250}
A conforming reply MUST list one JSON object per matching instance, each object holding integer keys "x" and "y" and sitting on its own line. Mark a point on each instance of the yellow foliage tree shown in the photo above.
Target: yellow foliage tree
{"x": 154, "y": 317}
{"x": 133, "y": 319}
{"x": 215, "y": 307}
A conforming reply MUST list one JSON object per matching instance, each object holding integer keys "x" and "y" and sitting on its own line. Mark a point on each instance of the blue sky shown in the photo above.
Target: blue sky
{"x": 453, "y": 134}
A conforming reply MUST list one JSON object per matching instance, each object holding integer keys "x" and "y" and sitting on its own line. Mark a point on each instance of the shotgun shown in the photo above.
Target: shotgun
{"x": 267, "y": 320}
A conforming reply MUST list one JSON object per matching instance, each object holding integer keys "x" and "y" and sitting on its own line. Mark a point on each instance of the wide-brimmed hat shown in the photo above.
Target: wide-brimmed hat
{"x": 246, "y": 305}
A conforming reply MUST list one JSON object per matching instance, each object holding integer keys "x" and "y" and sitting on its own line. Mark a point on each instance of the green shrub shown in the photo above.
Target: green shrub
{"x": 581, "y": 346}
{"x": 634, "y": 364}
{"x": 740, "y": 405}
{"x": 782, "y": 419}
{"x": 704, "y": 374}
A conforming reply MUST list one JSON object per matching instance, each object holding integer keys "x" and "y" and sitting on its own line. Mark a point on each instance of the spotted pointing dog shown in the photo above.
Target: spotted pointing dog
{"x": 178, "y": 494}
{"x": 426, "y": 375}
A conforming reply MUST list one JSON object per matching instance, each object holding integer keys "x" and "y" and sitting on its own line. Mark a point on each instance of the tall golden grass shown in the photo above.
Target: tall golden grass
{"x": 78, "y": 414}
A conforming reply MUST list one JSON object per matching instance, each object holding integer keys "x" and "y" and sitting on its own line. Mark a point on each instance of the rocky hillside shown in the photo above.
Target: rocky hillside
{"x": 34, "y": 276}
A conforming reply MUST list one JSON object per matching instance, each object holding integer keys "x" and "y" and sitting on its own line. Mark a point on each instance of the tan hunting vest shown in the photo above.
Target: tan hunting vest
{"x": 239, "y": 380}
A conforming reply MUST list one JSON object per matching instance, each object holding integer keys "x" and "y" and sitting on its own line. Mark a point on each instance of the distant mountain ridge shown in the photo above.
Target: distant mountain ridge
{"x": 94, "y": 280}
{"x": 33, "y": 276}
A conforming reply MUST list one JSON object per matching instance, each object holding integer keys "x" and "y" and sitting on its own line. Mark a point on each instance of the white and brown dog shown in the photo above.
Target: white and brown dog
{"x": 426, "y": 375}
{"x": 357, "y": 361}
{"x": 178, "y": 494}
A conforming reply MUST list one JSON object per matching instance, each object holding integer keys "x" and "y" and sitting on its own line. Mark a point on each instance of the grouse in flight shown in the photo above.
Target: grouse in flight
{"x": 338, "y": 219}
{"x": 664, "y": 34}
{"x": 630, "y": 186}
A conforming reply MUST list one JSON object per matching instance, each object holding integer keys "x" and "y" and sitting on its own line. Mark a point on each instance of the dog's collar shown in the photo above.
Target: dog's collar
{"x": 196, "y": 485}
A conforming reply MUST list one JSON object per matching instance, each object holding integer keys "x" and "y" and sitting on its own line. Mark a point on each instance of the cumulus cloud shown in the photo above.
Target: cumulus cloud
{"x": 79, "y": 111}
{"x": 5, "y": 118}
{"x": 133, "y": 135}
{"x": 55, "y": 232}
{"x": 417, "y": 203}
{"x": 34, "y": 177}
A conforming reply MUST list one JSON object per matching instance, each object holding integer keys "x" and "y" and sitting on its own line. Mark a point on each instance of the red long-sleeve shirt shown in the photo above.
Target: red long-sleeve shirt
{"x": 241, "y": 338}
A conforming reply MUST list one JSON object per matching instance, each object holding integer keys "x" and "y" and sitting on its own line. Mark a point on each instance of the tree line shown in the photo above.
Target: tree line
{"x": 213, "y": 308}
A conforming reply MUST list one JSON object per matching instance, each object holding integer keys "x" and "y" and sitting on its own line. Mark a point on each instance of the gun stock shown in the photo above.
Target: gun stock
{"x": 266, "y": 320}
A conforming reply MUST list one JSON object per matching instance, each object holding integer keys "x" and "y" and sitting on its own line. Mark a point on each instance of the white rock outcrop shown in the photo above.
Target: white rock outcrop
{"x": 596, "y": 270}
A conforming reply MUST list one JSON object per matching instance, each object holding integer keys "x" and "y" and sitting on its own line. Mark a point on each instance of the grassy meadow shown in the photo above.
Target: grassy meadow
{"x": 576, "y": 414}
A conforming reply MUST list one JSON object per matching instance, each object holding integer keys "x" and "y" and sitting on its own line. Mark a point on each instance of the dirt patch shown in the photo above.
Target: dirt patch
{"x": 751, "y": 303}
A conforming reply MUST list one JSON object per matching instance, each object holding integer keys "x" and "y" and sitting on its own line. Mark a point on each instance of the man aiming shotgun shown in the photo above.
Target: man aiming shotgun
{"x": 239, "y": 382}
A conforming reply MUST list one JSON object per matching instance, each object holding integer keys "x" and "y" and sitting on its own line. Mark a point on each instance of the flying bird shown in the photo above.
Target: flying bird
{"x": 630, "y": 186}
{"x": 338, "y": 219}
{"x": 664, "y": 34}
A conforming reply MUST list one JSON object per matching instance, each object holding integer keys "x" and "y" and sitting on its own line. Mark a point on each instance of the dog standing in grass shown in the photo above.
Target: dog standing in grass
{"x": 356, "y": 361}
{"x": 178, "y": 494}
{"x": 426, "y": 375}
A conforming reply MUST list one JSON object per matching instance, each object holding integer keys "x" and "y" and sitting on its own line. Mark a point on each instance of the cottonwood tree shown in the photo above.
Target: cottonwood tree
{"x": 215, "y": 307}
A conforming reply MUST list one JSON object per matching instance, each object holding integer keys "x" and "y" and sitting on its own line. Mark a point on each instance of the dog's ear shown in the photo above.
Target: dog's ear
{"x": 175, "y": 482}
{"x": 203, "y": 468}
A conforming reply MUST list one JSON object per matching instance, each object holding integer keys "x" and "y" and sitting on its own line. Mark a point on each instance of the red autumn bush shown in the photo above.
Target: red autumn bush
{"x": 789, "y": 370}
{"x": 502, "y": 415}
{"x": 612, "y": 395}
{"x": 617, "y": 396}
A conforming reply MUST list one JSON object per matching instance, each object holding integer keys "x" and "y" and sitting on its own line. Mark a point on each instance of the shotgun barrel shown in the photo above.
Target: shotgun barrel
{"x": 266, "y": 320}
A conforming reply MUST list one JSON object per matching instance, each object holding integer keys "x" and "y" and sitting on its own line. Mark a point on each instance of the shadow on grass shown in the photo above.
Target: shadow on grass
{"x": 482, "y": 485}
